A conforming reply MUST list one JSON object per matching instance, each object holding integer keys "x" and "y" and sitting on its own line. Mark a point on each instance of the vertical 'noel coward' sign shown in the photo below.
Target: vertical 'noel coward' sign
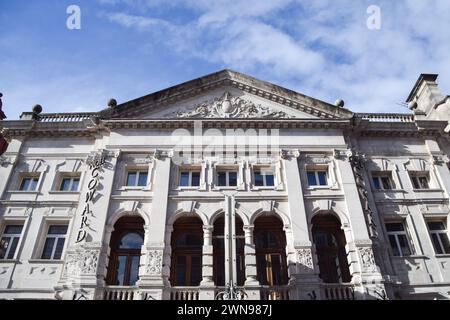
{"x": 95, "y": 163}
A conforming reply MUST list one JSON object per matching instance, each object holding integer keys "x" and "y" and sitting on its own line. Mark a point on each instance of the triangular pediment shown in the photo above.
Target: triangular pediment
{"x": 226, "y": 95}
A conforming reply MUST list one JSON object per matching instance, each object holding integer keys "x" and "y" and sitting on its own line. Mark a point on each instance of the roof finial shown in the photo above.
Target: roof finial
{"x": 112, "y": 103}
{"x": 339, "y": 103}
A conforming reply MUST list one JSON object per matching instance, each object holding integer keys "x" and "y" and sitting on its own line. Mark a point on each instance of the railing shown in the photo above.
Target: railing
{"x": 386, "y": 117}
{"x": 339, "y": 291}
{"x": 184, "y": 293}
{"x": 275, "y": 293}
{"x": 120, "y": 293}
{"x": 65, "y": 117}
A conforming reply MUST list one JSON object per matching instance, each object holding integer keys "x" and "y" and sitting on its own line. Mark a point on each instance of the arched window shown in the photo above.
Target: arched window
{"x": 329, "y": 240}
{"x": 187, "y": 244}
{"x": 219, "y": 252}
{"x": 270, "y": 241}
{"x": 126, "y": 242}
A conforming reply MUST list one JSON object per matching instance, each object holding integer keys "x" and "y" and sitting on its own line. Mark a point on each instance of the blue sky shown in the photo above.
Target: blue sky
{"x": 129, "y": 48}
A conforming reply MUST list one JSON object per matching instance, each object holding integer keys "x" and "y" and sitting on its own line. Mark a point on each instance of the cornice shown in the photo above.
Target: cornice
{"x": 229, "y": 78}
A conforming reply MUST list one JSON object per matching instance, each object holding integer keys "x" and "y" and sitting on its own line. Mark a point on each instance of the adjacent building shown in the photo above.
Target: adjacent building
{"x": 228, "y": 186}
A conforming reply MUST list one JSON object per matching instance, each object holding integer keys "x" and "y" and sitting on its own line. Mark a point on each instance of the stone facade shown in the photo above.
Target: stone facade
{"x": 357, "y": 151}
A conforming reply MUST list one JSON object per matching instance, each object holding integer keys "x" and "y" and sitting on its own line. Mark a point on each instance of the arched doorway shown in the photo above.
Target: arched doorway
{"x": 329, "y": 240}
{"x": 270, "y": 241}
{"x": 126, "y": 243}
{"x": 219, "y": 252}
{"x": 187, "y": 244}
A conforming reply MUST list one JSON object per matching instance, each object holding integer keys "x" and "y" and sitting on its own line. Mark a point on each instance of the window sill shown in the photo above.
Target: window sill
{"x": 319, "y": 187}
{"x": 262, "y": 188}
{"x": 46, "y": 261}
{"x": 9, "y": 261}
{"x": 187, "y": 188}
{"x": 428, "y": 190}
{"x": 218, "y": 188}
{"x": 389, "y": 190}
{"x": 411, "y": 257}
{"x": 133, "y": 189}
{"x": 63, "y": 192}
{"x": 443, "y": 255}
{"x": 23, "y": 192}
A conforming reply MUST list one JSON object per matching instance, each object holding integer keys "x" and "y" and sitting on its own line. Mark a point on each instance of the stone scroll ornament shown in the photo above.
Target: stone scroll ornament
{"x": 228, "y": 106}
{"x": 357, "y": 163}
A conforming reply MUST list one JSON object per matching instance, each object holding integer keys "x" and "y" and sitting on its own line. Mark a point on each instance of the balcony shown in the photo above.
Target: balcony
{"x": 274, "y": 293}
{"x": 184, "y": 293}
{"x": 121, "y": 293}
{"x": 337, "y": 291}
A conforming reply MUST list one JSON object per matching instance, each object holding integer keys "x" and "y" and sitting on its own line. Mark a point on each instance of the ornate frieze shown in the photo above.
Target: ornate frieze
{"x": 162, "y": 154}
{"x": 81, "y": 261}
{"x": 228, "y": 106}
{"x": 304, "y": 260}
{"x": 357, "y": 162}
{"x": 153, "y": 266}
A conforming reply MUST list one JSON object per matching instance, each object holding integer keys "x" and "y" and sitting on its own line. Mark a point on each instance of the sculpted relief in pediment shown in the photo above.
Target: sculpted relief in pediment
{"x": 228, "y": 106}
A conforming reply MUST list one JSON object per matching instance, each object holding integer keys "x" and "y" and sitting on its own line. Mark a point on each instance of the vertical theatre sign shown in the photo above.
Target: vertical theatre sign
{"x": 95, "y": 162}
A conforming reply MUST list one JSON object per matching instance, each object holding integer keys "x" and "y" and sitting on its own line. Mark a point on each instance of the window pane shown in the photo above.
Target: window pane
{"x": 394, "y": 246}
{"x": 270, "y": 180}
{"x": 33, "y": 186}
{"x": 180, "y": 273}
{"x": 436, "y": 225}
{"x": 436, "y": 244}
{"x": 131, "y": 240}
{"x": 232, "y": 178}
{"x": 4, "y": 243}
{"x": 13, "y": 248}
{"x": 395, "y": 227}
{"x": 65, "y": 184}
{"x": 184, "y": 179}
{"x": 276, "y": 270}
{"x": 376, "y": 183}
{"x": 25, "y": 185}
{"x": 75, "y": 184}
{"x": 222, "y": 179}
{"x": 259, "y": 182}
{"x": 59, "y": 248}
{"x": 322, "y": 178}
{"x": 142, "y": 179}
{"x": 57, "y": 230}
{"x": 48, "y": 248}
{"x": 134, "y": 270}
{"x": 415, "y": 182}
{"x": 312, "y": 178}
{"x": 195, "y": 179}
{"x": 445, "y": 242}
{"x": 131, "y": 180}
{"x": 120, "y": 270}
{"x": 423, "y": 182}
{"x": 196, "y": 271}
{"x": 13, "y": 229}
{"x": 386, "y": 183}
{"x": 404, "y": 245}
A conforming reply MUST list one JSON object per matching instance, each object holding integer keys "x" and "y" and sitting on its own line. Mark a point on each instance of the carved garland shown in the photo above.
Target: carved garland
{"x": 230, "y": 107}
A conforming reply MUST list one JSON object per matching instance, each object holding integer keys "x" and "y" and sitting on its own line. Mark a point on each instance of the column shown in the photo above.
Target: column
{"x": 365, "y": 273}
{"x": 207, "y": 289}
{"x": 251, "y": 282}
{"x": 303, "y": 280}
{"x": 154, "y": 281}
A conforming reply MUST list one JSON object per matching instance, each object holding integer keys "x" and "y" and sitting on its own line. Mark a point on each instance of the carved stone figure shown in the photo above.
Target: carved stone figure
{"x": 367, "y": 259}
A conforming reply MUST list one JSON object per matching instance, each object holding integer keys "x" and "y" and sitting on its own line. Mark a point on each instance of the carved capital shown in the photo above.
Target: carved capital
{"x": 5, "y": 161}
{"x": 163, "y": 154}
{"x": 342, "y": 154}
{"x": 96, "y": 158}
{"x": 290, "y": 154}
{"x": 440, "y": 159}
